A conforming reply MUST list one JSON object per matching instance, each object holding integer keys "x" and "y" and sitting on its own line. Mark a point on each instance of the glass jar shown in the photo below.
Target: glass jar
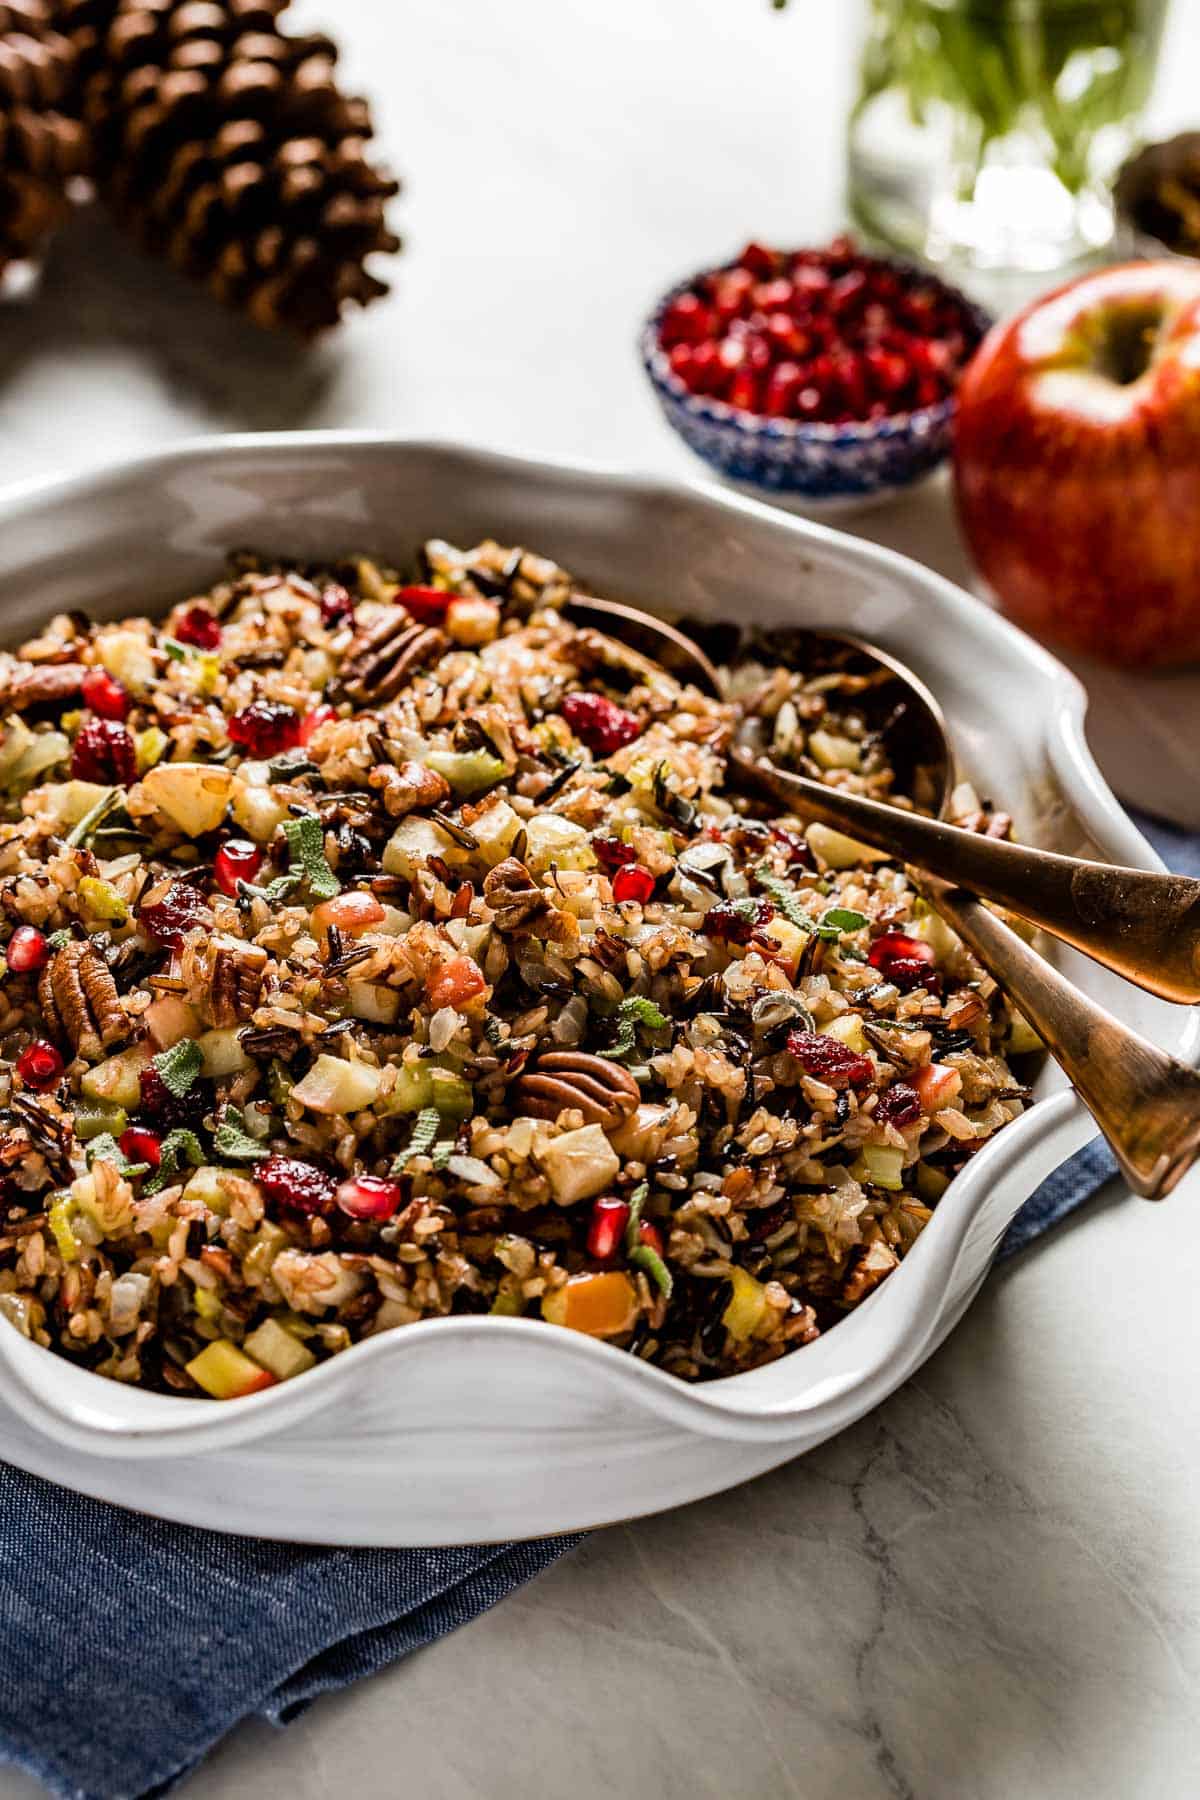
{"x": 987, "y": 132}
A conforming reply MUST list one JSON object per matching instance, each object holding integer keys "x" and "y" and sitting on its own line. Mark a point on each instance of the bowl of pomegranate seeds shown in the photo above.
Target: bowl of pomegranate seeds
{"x": 825, "y": 373}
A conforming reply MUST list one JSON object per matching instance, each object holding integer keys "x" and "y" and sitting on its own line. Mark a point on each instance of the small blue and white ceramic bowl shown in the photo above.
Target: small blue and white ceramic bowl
{"x": 829, "y": 466}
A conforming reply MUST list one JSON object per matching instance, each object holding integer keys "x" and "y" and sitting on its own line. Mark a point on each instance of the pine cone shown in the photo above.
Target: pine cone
{"x": 41, "y": 147}
{"x": 229, "y": 149}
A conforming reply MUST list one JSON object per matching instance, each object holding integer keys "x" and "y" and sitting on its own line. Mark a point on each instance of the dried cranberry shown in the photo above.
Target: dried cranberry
{"x": 798, "y": 852}
{"x": 27, "y": 950}
{"x": 650, "y": 1235}
{"x": 171, "y": 911}
{"x": 141, "y": 1145}
{"x": 237, "y": 860}
{"x": 736, "y": 921}
{"x": 903, "y": 960}
{"x": 104, "y": 752}
{"x": 600, "y": 723}
{"x": 632, "y": 883}
{"x": 337, "y": 608}
{"x": 39, "y": 1065}
{"x": 612, "y": 853}
{"x": 286, "y": 1181}
{"x": 199, "y": 627}
{"x": 606, "y": 1232}
{"x": 365, "y": 1196}
{"x": 899, "y": 1105}
{"x": 427, "y": 605}
{"x": 265, "y": 728}
{"x": 105, "y": 694}
{"x": 169, "y": 1109}
{"x": 829, "y": 1060}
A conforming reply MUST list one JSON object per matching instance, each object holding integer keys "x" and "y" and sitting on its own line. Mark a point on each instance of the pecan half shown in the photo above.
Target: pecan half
{"x": 522, "y": 908}
{"x": 408, "y": 787}
{"x": 601, "y": 1090}
{"x": 876, "y": 1261}
{"x": 384, "y": 655}
{"x": 80, "y": 1002}
{"x": 47, "y": 683}
{"x": 235, "y": 982}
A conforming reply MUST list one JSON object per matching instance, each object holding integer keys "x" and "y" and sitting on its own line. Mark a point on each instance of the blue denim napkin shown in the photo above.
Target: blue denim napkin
{"x": 129, "y": 1647}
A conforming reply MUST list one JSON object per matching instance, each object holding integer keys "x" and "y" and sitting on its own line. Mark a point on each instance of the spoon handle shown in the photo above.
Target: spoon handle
{"x": 1143, "y": 925}
{"x": 1146, "y": 1103}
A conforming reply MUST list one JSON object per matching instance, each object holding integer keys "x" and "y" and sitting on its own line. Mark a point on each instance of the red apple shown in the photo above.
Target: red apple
{"x": 1077, "y": 464}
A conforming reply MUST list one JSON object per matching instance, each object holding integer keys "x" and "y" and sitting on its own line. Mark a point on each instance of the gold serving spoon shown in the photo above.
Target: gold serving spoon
{"x": 1146, "y": 1103}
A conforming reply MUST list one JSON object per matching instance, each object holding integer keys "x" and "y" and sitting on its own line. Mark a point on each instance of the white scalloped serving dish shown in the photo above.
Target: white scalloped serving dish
{"x": 469, "y": 1429}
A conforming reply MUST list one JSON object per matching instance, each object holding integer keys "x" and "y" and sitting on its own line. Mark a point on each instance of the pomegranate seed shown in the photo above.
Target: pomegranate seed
{"x": 337, "y": 608}
{"x": 39, "y": 1065}
{"x": 601, "y": 724}
{"x": 104, "y": 752}
{"x": 760, "y": 260}
{"x": 681, "y": 360}
{"x": 312, "y": 721}
{"x": 745, "y": 391}
{"x": 899, "y": 1105}
{"x": 368, "y": 1196}
{"x": 903, "y": 960}
{"x": 685, "y": 321}
{"x": 177, "y": 908}
{"x": 633, "y": 882}
{"x": 199, "y": 627}
{"x": 27, "y": 950}
{"x": 735, "y": 922}
{"x": 105, "y": 694}
{"x": 141, "y": 1145}
{"x": 731, "y": 293}
{"x": 610, "y": 1216}
{"x": 829, "y": 1060}
{"x": 651, "y": 1235}
{"x": 427, "y": 605}
{"x": 287, "y": 1181}
{"x": 612, "y": 853}
{"x": 265, "y": 728}
{"x": 237, "y": 860}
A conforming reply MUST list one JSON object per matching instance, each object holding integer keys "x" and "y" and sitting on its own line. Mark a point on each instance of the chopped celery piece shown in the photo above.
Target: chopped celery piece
{"x": 277, "y": 1350}
{"x": 94, "y": 1117}
{"x": 881, "y": 1164}
{"x": 62, "y": 1211}
{"x": 467, "y": 771}
{"x": 102, "y": 900}
{"x": 747, "y": 1304}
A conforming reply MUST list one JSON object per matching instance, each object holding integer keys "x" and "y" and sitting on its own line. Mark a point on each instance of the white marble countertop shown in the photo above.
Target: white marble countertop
{"x": 989, "y": 1588}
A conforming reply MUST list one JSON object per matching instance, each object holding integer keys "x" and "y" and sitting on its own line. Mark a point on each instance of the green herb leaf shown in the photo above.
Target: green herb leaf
{"x": 631, "y": 1013}
{"x": 637, "y": 1201}
{"x": 306, "y": 844}
{"x": 232, "y": 1142}
{"x": 180, "y": 1148}
{"x": 58, "y": 940}
{"x": 95, "y": 815}
{"x": 784, "y": 895}
{"x": 106, "y": 1146}
{"x": 647, "y": 1257}
{"x": 179, "y": 1067}
{"x": 426, "y": 1126}
{"x": 175, "y": 650}
{"x": 838, "y": 919}
{"x": 442, "y": 1153}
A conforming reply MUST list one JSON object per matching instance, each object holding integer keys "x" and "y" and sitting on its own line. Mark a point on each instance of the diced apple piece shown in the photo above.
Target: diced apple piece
{"x": 222, "y": 1052}
{"x": 881, "y": 1164}
{"x": 832, "y": 752}
{"x": 353, "y": 913}
{"x": 377, "y": 1004}
{"x": 746, "y": 1307}
{"x": 170, "y": 1018}
{"x": 467, "y": 771}
{"x": 222, "y": 1371}
{"x": 192, "y": 795}
{"x": 118, "y": 1078}
{"x": 937, "y": 1085}
{"x": 551, "y": 839}
{"x": 847, "y": 1028}
{"x": 496, "y": 831}
{"x": 207, "y": 1184}
{"x": 413, "y": 842}
{"x": 578, "y": 1165}
{"x": 837, "y": 851}
{"x": 333, "y": 1085}
{"x": 603, "y": 1305}
{"x": 792, "y": 941}
{"x": 258, "y": 810}
{"x": 67, "y": 802}
{"x": 1022, "y": 1039}
{"x": 278, "y": 1350}
{"x": 127, "y": 655}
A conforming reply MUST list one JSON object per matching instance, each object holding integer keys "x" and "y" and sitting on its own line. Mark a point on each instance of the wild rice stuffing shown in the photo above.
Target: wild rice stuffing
{"x": 382, "y": 952}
